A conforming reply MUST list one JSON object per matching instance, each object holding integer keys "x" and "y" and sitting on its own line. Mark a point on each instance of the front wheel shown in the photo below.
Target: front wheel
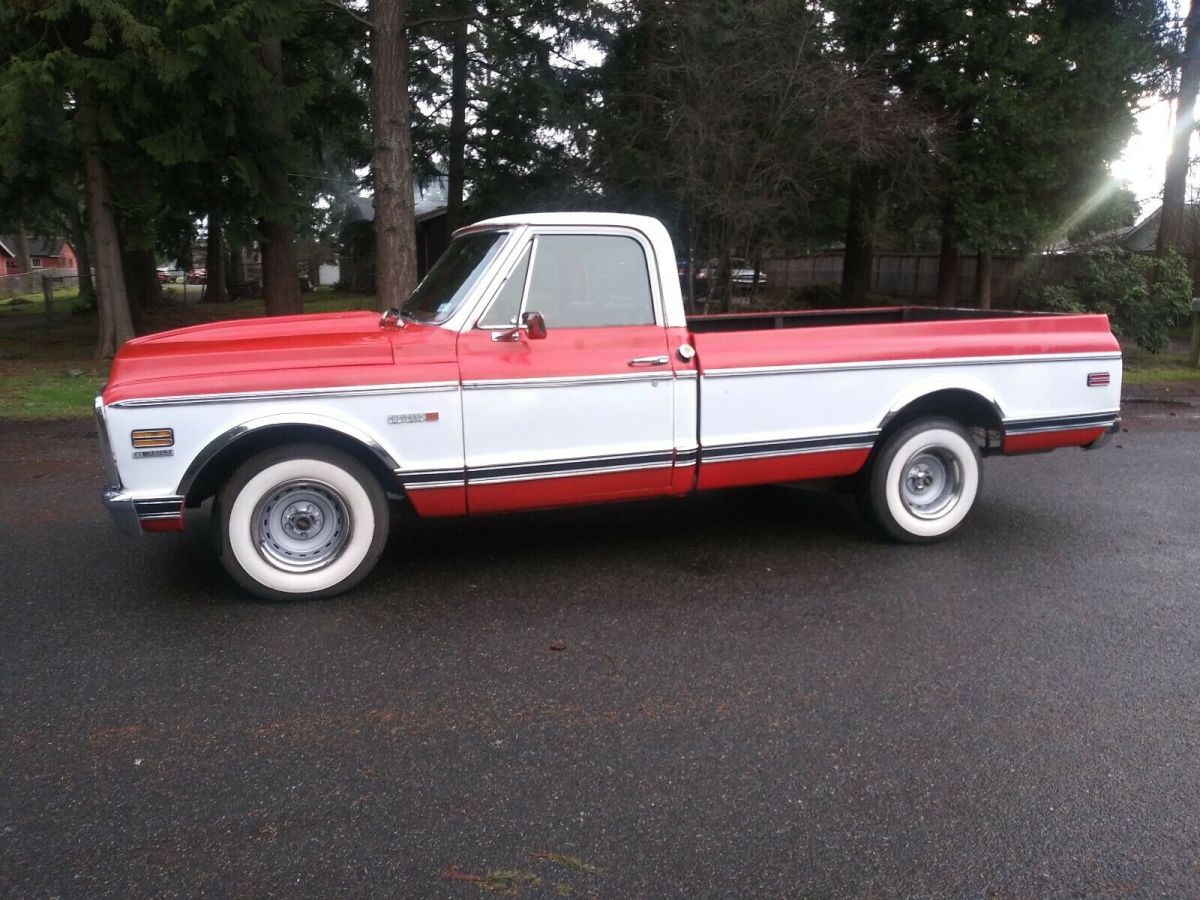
{"x": 923, "y": 481}
{"x": 300, "y": 522}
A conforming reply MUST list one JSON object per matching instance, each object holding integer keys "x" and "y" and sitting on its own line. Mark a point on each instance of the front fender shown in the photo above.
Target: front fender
{"x": 296, "y": 419}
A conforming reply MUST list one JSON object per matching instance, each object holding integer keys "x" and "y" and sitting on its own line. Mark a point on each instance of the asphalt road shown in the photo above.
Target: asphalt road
{"x": 754, "y": 698}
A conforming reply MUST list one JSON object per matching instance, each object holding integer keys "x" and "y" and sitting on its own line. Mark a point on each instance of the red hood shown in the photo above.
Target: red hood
{"x": 330, "y": 349}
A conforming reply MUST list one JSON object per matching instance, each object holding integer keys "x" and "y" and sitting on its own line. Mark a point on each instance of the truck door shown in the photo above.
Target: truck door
{"x": 581, "y": 410}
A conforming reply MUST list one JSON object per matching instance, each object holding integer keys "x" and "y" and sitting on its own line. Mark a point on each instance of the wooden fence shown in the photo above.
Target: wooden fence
{"x": 29, "y": 284}
{"x": 914, "y": 276}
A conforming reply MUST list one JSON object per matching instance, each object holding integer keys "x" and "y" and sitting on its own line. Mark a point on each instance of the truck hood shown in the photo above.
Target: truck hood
{"x": 266, "y": 354}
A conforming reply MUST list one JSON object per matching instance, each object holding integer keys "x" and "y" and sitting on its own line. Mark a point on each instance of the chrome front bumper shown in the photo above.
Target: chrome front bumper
{"x": 116, "y": 501}
{"x": 124, "y": 513}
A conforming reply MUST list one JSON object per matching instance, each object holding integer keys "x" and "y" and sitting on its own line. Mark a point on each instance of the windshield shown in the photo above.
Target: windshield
{"x": 451, "y": 278}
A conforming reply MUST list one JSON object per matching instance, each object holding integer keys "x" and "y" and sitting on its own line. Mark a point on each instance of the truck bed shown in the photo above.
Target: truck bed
{"x": 813, "y": 318}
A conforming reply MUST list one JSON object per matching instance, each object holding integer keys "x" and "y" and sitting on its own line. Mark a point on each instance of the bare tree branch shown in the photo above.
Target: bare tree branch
{"x": 338, "y": 5}
{"x": 476, "y": 17}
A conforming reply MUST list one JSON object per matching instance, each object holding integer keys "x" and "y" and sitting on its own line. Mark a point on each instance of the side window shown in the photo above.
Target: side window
{"x": 507, "y": 306}
{"x": 590, "y": 279}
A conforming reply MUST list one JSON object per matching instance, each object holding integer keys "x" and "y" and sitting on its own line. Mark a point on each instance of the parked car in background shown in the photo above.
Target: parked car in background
{"x": 741, "y": 276}
{"x": 743, "y": 273}
{"x": 163, "y": 275}
{"x": 197, "y": 276}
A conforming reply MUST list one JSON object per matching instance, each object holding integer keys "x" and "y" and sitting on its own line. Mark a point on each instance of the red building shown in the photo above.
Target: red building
{"x": 44, "y": 253}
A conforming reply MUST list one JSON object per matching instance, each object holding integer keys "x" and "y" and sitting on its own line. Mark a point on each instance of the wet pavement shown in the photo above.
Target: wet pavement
{"x": 743, "y": 694}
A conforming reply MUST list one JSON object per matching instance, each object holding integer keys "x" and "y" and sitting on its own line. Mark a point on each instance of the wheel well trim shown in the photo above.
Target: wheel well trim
{"x": 230, "y": 437}
{"x": 916, "y": 393}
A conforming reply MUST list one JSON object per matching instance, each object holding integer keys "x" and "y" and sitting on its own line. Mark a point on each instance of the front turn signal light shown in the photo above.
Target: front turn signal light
{"x": 145, "y": 438}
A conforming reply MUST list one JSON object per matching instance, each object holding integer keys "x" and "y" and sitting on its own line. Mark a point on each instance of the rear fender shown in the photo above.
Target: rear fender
{"x": 926, "y": 387}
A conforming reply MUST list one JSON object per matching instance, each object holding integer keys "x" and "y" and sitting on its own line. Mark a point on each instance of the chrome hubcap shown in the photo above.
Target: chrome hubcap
{"x": 931, "y": 483}
{"x": 301, "y": 526}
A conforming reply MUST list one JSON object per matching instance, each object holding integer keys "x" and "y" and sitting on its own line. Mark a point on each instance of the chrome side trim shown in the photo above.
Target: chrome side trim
{"x": 908, "y": 364}
{"x": 158, "y": 507}
{"x": 540, "y": 476}
{"x": 1041, "y": 425}
{"x": 1077, "y": 426}
{"x": 562, "y": 381}
{"x": 710, "y": 454}
{"x": 425, "y": 387}
{"x": 418, "y": 479}
{"x": 686, "y": 457}
{"x": 205, "y": 456}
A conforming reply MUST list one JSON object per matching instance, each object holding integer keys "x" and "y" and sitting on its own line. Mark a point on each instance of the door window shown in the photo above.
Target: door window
{"x": 586, "y": 280}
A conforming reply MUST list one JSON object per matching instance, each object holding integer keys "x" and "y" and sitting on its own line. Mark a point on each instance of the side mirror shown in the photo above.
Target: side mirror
{"x": 535, "y": 326}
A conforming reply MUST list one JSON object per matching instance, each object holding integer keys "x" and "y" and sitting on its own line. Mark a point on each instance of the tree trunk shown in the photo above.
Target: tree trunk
{"x": 216, "y": 287}
{"x": 280, "y": 266}
{"x": 141, "y": 283}
{"x": 947, "y": 286}
{"x": 724, "y": 281}
{"x": 690, "y": 294}
{"x": 456, "y": 157}
{"x": 983, "y": 278}
{"x": 395, "y": 228}
{"x": 231, "y": 271}
{"x": 116, "y": 326}
{"x": 237, "y": 268}
{"x": 280, "y": 269}
{"x": 859, "y": 260}
{"x": 83, "y": 257}
{"x": 313, "y": 262}
{"x": 1171, "y": 222}
{"x": 24, "y": 263}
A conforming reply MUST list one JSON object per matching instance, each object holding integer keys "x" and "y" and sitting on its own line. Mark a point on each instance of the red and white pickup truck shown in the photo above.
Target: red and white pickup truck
{"x": 546, "y": 360}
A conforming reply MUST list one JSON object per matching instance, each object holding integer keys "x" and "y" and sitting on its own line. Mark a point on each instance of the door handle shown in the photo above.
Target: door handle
{"x": 650, "y": 361}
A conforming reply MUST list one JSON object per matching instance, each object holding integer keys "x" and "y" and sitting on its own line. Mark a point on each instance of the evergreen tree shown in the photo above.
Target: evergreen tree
{"x": 1171, "y": 223}
{"x": 1036, "y": 101}
{"x": 499, "y": 100}
{"x": 90, "y": 58}
{"x": 391, "y": 168}
{"x": 744, "y": 114}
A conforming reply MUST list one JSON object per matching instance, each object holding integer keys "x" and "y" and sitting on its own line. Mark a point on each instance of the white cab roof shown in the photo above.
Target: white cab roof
{"x": 611, "y": 220}
{"x": 653, "y": 229}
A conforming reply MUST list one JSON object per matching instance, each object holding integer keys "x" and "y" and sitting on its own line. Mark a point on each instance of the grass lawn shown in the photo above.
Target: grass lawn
{"x": 48, "y": 394}
{"x": 47, "y": 370}
{"x": 35, "y": 304}
{"x": 1147, "y": 368}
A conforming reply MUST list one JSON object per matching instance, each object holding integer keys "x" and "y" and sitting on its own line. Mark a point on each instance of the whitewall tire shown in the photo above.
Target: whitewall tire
{"x": 924, "y": 481}
{"x": 300, "y": 522}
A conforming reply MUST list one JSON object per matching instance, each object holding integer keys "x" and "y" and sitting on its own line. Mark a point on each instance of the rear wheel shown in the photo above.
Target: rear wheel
{"x": 300, "y": 522}
{"x": 923, "y": 481}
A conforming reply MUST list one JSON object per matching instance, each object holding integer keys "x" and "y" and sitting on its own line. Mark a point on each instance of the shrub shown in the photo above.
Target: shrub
{"x": 1143, "y": 296}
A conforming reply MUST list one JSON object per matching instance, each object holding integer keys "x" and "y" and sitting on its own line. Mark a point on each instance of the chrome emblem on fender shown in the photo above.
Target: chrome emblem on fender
{"x": 410, "y": 418}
